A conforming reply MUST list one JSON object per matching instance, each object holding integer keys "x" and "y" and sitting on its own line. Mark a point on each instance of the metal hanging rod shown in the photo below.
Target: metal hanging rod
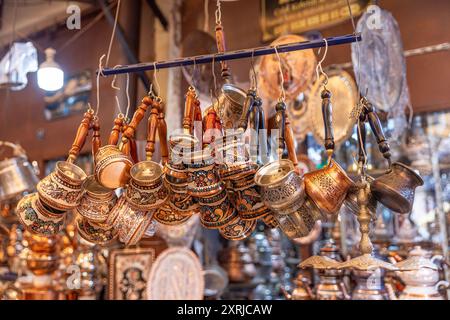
{"x": 232, "y": 55}
{"x": 445, "y": 46}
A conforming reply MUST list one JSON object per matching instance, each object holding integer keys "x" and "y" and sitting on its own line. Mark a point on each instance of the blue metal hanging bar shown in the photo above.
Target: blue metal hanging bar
{"x": 232, "y": 55}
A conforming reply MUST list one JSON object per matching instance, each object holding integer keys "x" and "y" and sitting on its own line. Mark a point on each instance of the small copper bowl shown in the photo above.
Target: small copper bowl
{"x": 39, "y": 218}
{"x": 217, "y": 215}
{"x": 61, "y": 189}
{"x": 248, "y": 202}
{"x": 281, "y": 188}
{"x": 328, "y": 187}
{"x": 238, "y": 229}
{"x": 97, "y": 201}
{"x": 396, "y": 188}
{"x": 94, "y": 233}
{"x": 112, "y": 167}
{"x": 146, "y": 189}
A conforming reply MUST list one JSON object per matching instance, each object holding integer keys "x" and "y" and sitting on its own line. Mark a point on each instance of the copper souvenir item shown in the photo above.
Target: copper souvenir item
{"x": 217, "y": 215}
{"x": 168, "y": 216}
{"x": 248, "y": 202}
{"x": 38, "y": 218}
{"x": 97, "y": 201}
{"x": 112, "y": 166}
{"x": 94, "y": 233}
{"x": 132, "y": 224}
{"x": 61, "y": 189}
{"x": 17, "y": 174}
{"x": 238, "y": 229}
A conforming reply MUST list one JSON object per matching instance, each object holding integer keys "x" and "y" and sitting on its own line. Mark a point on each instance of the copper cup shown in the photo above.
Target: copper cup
{"x": 282, "y": 190}
{"x": 238, "y": 229}
{"x": 248, "y": 201}
{"x": 62, "y": 189}
{"x": 95, "y": 233}
{"x": 218, "y": 214}
{"x": 97, "y": 201}
{"x": 328, "y": 187}
{"x": 396, "y": 188}
{"x": 203, "y": 180}
{"x": 112, "y": 167}
{"x": 146, "y": 189}
{"x": 39, "y": 218}
{"x": 169, "y": 216}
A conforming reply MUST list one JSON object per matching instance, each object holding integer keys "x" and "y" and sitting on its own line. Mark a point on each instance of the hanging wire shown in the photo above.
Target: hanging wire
{"x": 282, "y": 93}
{"x": 255, "y": 78}
{"x": 113, "y": 32}
{"x": 98, "y": 85}
{"x": 113, "y": 85}
{"x": 206, "y": 16}
{"x": 218, "y": 14}
{"x": 319, "y": 65}
{"x": 155, "y": 80}
{"x": 358, "y": 50}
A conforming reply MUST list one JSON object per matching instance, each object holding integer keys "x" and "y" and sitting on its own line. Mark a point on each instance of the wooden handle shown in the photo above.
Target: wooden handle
{"x": 210, "y": 125}
{"x": 254, "y": 136}
{"x": 189, "y": 106}
{"x": 290, "y": 143}
{"x": 377, "y": 130}
{"x": 221, "y": 47}
{"x": 133, "y": 150}
{"x": 362, "y": 140}
{"x": 137, "y": 117}
{"x": 162, "y": 134}
{"x": 81, "y": 135}
{"x": 96, "y": 142}
{"x": 115, "y": 132}
{"x": 327, "y": 110}
{"x": 151, "y": 133}
{"x": 247, "y": 108}
{"x": 280, "y": 121}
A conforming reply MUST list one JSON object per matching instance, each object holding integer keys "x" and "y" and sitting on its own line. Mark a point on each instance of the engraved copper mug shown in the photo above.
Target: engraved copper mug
{"x": 61, "y": 189}
{"x": 94, "y": 233}
{"x": 112, "y": 165}
{"x": 328, "y": 187}
{"x": 146, "y": 189}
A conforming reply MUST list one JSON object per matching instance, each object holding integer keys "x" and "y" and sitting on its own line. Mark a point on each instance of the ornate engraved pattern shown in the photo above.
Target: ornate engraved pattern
{"x": 95, "y": 234}
{"x": 166, "y": 215}
{"x": 238, "y": 229}
{"x": 217, "y": 216}
{"x": 366, "y": 263}
{"x": 96, "y": 210}
{"x": 58, "y": 194}
{"x": 319, "y": 262}
{"x": 147, "y": 197}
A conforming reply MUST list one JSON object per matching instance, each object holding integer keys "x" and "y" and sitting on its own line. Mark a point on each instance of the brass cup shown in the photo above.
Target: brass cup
{"x": 97, "y": 201}
{"x": 396, "y": 188}
{"x": 146, "y": 189}
{"x": 282, "y": 190}
{"x": 301, "y": 222}
{"x": 61, "y": 189}
{"x": 39, "y": 218}
{"x": 112, "y": 167}
{"x": 328, "y": 187}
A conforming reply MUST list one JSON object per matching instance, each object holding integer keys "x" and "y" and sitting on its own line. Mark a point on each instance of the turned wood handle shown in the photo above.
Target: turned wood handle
{"x": 115, "y": 132}
{"x": 209, "y": 126}
{"x": 247, "y": 108}
{"x": 362, "y": 139}
{"x": 280, "y": 122}
{"x": 189, "y": 106}
{"x": 133, "y": 150}
{"x": 81, "y": 135}
{"x": 162, "y": 134}
{"x": 377, "y": 130}
{"x": 327, "y": 110}
{"x": 129, "y": 132}
{"x": 290, "y": 142}
{"x": 151, "y": 133}
{"x": 96, "y": 142}
{"x": 221, "y": 47}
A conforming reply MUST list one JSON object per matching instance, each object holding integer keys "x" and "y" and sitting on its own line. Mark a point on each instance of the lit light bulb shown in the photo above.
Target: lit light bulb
{"x": 50, "y": 75}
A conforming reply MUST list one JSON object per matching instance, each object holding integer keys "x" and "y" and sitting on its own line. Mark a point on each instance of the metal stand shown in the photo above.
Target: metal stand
{"x": 233, "y": 55}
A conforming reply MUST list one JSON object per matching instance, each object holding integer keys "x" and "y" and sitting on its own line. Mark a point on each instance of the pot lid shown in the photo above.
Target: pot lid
{"x": 366, "y": 262}
{"x": 319, "y": 262}
{"x": 416, "y": 263}
{"x": 419, "y": 251}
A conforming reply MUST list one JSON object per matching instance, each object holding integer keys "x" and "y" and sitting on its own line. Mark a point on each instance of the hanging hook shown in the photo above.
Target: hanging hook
{"x": 155, "y": 80}
{"x": 319, "y": 64}
{"x": 283, "y": 92}
{"x": 100, "y": 72}
{"x": 253, "y": 85}
{"x": 194, "y": 72}
{"x": 115, "y": 87}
